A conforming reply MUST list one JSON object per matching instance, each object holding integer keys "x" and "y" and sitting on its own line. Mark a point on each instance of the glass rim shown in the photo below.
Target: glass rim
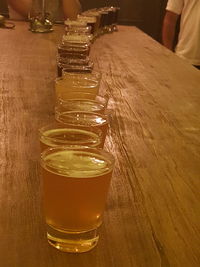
{"x": 69, "y": 114}
{"x": 76, "y": 27}
{"x": 73, "y": 45}
{"x": 88, "y": 19}
{"x": 74, "y": 102}
{"x": 105, "y": 115}
{"x": 92, "y": 73}
{"x": 100, "y": 153}
{"x": 76, "y": 69}
{"x": 56, "y": 126}
{"x": 70, "y": 53}
{"x": 76, "y": 38}
{"x": 91, "y": 13}
{"x": 73, "y": 61}
{"x": 103, "y": 96}
{"x": 69, "y": 22}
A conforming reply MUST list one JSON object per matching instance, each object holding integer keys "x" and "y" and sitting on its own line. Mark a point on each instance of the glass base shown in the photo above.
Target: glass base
{"x": 115, "y": 29}
{"x": 74, "y": 242}
{"x": 41, "y": 24}
{"x": 41, "y": 30}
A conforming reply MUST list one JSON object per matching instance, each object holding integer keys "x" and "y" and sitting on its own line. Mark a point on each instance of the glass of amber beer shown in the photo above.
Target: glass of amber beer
{"x": 75, "y": 186}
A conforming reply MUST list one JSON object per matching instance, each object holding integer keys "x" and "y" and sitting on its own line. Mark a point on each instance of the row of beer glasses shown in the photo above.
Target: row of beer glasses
{"x": 73, "y": 52}
{"x": 105, "y": 19}
{"x": 74, "y": 49}
{"x": 78, "y": 106}
{"x": 76, "y": 170}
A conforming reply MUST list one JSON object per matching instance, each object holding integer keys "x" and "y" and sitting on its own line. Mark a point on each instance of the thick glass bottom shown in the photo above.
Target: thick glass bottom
{"x": 74, "y": 242}
{"x": 41, "y": 30}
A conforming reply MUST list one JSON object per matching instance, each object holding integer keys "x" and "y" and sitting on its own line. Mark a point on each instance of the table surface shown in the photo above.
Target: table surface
{"x": 152, "y": 216}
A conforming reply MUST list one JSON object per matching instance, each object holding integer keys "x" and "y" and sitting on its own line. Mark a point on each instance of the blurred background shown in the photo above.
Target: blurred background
{"x": 145, "y": 14}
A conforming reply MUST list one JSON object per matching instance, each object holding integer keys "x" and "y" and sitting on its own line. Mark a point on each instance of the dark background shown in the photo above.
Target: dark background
{"x": 145, "y": 14}
{"x": 3, "y": 8}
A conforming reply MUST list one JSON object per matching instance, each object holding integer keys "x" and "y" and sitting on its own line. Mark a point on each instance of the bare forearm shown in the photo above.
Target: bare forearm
{"x": 168, "y": 31}
{"x": 71, "y": 8}
{"x": 168, "y": 37}
{"x": 21, "y": 6}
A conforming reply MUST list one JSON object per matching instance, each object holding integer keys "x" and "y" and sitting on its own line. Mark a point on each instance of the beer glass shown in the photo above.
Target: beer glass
{"x": 77, "y": 82}
{"x": 108, "y": 28}
{"x": 40, "y": 16}
{"x": 55, "y": 134}
{"x": 115, "y": 19}
{"x": 74, "y": 48}
{"x": 91, "y": 21}
{"x": 75, "y": 187}
{"x": 73, "y": 62}
{"x": 78, "y": 23}
{"x": 93, "y": 14}
{"x": 81, "y": 101}
{"x": 85, "y": 120}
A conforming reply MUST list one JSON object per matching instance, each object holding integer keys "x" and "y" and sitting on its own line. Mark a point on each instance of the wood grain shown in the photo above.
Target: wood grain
{"x": 152, "y": 215}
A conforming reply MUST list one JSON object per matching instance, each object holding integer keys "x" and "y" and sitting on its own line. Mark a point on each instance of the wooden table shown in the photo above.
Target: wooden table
{"x": 153, "y": 211}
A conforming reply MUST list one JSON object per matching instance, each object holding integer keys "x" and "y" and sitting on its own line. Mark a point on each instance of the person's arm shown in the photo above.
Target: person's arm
{"x": 71, "y": 8}
{"x": 169, "y": 28}
{"x": 21, "y": 6}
